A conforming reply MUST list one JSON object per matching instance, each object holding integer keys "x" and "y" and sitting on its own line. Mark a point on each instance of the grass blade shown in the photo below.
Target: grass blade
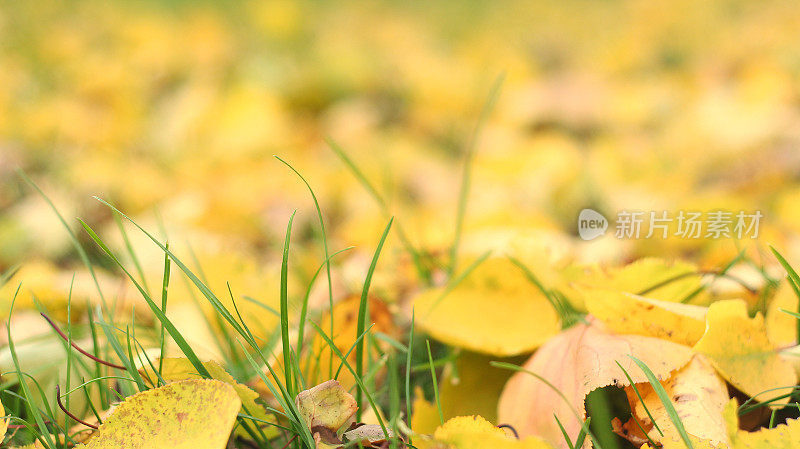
{"x": 363, "y": 311}
{"x": 287, "y": 365}
{"x": 664, "y": 397}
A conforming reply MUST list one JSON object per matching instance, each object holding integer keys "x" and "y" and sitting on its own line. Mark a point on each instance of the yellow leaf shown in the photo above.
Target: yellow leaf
{"x": 631, "y": 314}
{"x": 782, "y": 436}
{"x": 578, "y": 361}
{"x": 698, "y": 395}
{"x": 657, "y": 278}
{"x": 326, "y": 407}
{"x": 180, "y": 368}
{"x": 190, "y": 414}
{"x": 782, "y": 327}
{"x": 474, "y": 432}
{"x": 473, "y": 392}
{"x": 3, "y": 422}
{"x": 740, "y": 350}
{"x": 496, "y": 310}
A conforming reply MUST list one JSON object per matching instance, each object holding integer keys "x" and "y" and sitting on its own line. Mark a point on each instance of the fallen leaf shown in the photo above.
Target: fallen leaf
{"x": 190, "y": 414}
{"x": 325, "y": 408}
{"x": 740, "y": 350}
{"x": 699, "y": 396}
{"x": 578, "y": 361}
{"x": 474, "y": 432}
{"x": 781, "y": 326}
{"x": 473, "y": 391}
{"x": 3, "y": 422}
{"x": 368, "y": 436}
{"x": 662, "y": 279}
{"x": 782, "y": 436}
{"x": 180, "y": 368}
{"x": 626, "y": 313}
{"x": 491, "y": 311}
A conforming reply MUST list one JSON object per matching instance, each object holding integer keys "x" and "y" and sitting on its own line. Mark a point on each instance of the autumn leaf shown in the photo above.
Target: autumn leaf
{"x": 576, "y": 362}
{"x": 781, "y": 326}
{"x": 471, "y": 387}
{"x": 190, "y": 414}
{"x": 490, "y": 311}
{"x": 699, "y": 397}
{"x": 3, "y": 422}
{"x": 782, "y": 436}
{"x": 652, "y": 277}
{"x": 740, "y": 350}
{"x": 325, "y": 408}
{"x": 474, "y": 432}
{"x": 625, "y": 313}
{"x": 180, "y": 368}
{"x": 367, "y": 436}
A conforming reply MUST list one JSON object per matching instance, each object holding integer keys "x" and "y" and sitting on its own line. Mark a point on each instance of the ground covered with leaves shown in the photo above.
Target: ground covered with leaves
{"x": 358, "y": 224}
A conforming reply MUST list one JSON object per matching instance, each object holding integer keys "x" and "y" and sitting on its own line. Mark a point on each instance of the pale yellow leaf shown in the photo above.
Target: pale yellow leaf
{"x": 740, "y": 350}
{"x": 631, "y": 314}
{"x": 699, "y": 396}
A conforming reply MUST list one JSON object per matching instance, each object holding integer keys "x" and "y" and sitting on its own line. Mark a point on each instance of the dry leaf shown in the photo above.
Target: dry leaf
{"x": 578, "y": 361}
{"x": 491, "y": 311}
{"x": 368, "y": 436}
{"x": 474, "y": 432}
{"x": 325, "y": 408}
{"x": 699, "y": 396}
{"x": 740, "y": 350}
{"x": 626, "y": 313}
{"x": 190, "y": 414}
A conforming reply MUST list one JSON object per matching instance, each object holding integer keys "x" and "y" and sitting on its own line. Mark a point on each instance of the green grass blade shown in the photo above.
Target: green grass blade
{"x": 638, "y": 394}
{"x": 664, "y": 397}
{"x": 567, "y": 439}
{"x": 287, "y": 370}
{"x": 304, "y": 309}
{"x": 363, "y": 311}
{"x": 408, "y": 372}
{"x": 45, "y": 436}
{"x": 794, "y": 280}
{"x": 435, "y": 383}
{"x": 171, "y": 329}
{"x": 164, "y": 290}
{"x": 324, "y": 246}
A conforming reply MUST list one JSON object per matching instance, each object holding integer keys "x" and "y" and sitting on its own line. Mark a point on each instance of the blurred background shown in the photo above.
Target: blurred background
{"x": 172, "y": 111}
